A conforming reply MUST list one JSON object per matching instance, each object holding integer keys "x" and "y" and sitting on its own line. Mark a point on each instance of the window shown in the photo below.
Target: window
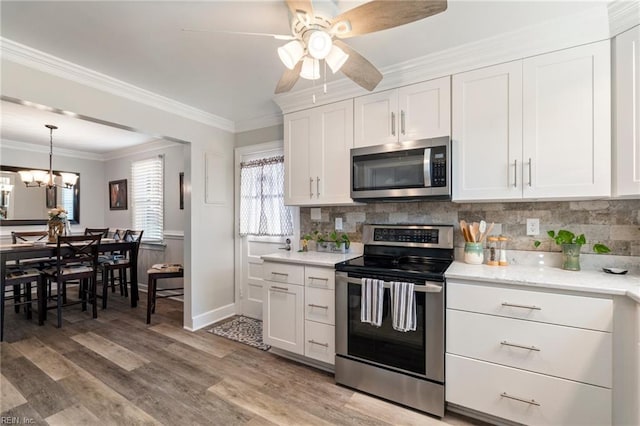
{"x": 147, "y": 197}
{"x": 262, "y": 209}
{"x": 66, "y": 198}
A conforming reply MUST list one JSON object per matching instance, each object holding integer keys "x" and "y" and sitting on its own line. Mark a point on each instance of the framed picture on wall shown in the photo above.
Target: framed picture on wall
{"x": 118, "y": 194}
{"x": 181, "y": 190}
{"x": 51, "y": 197}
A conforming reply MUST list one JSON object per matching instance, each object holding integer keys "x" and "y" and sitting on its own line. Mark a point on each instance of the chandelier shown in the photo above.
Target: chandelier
{"x": 38, "y": 178}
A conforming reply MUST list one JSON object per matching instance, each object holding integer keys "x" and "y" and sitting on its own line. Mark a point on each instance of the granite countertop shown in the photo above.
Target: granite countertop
{"x": 314, "y": 258}
{"x": 589, "y": 281}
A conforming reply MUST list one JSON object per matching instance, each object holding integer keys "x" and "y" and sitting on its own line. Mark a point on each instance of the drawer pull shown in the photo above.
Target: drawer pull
{"x": 282, "y": 274}
{"x": 318, "y": 306}
{"x": 318, "y": 278}
{"x": 275, "y": 287}
{"x": 313, "y": 342}
{"x": 515, "y": 398}
{"x": 515, "y": 305}
{"x": 515, "y": 345}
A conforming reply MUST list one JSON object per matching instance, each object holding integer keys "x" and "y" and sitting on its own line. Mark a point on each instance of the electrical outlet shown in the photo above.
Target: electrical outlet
{"x": 533, "y": 226}
{"x": 316, "y": 213}
{"x": 338, "y": 224}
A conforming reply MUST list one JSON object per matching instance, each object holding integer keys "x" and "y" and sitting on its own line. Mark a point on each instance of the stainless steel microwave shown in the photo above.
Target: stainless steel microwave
{"x": 406, "y": 170}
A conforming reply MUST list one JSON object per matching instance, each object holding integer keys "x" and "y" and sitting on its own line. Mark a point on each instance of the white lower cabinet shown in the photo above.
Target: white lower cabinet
{"x": 525, "y": 397}
{"x": 532, "y": 357}
{"x": 283, "y": 317}
{"x": 299, "y": 310}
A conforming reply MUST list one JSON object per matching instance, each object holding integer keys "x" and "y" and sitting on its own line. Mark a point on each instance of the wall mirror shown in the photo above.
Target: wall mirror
{"x": 20, "y": 205}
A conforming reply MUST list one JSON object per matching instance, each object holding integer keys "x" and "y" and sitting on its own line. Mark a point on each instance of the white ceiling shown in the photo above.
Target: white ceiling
{"x": 233, "y": 76}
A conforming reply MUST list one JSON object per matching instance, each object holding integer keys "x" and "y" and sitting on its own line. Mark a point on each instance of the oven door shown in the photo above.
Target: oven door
{"x": 419, "y": 352}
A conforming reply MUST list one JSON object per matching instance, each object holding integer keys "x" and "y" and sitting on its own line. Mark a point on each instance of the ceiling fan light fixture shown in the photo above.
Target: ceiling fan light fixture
{"x": 310, "y": 68}
{"x": 336, "y": 59}
{"x": 319, "y": 44}
{"x": 291, "y": 53}
{"x": 340, "y": 28}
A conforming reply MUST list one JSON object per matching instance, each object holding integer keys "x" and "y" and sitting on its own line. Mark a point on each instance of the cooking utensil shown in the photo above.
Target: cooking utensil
{"x": 463, "y": 228}
{"x": 475, "y": 230}
{"x": 489, "y": 229}
{"x": 482, "y": 228}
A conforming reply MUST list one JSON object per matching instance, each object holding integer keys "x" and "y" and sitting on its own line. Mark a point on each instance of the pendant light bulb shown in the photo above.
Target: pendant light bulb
{"x": 336, "y": 59}
{"x": 291, "y": 53}
{"x": 319, "y": 44}
{"x": 310, "y": 68}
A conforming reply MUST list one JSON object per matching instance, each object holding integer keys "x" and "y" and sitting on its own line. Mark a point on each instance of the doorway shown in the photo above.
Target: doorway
{"x": 253, "y": 240}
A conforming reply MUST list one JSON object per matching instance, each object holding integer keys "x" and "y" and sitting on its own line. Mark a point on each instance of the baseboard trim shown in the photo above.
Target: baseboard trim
{"x": 213, "y": 316}
{"x": 303, "y": 360}
{"x": 487, "y": 418}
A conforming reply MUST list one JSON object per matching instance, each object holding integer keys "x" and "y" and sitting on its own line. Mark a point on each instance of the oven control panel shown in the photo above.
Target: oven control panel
{"x": 399, "y": 235}
{"x": 437, "y": 236}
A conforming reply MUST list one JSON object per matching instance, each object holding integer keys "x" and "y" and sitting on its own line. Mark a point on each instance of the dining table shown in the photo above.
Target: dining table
{"x": 35, "y": 250}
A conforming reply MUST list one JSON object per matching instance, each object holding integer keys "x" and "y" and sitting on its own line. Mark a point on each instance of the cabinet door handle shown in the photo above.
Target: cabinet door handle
{"x": 318, "y": 187}
{"x": 529, "y": 172}
{"x": 313, "y": 342}
{"x": 275, "y": 287}
{"x": 516, "y": 305}
{"x": 311, "y": 305}
{"x": 310, "y": 187}
{"x": 393, "y": 124}
{"x": 515, "y": 173}
{"x": 526, "y": 401}
{"x": 515, "y": 345}
{"x": 402, "y": 121}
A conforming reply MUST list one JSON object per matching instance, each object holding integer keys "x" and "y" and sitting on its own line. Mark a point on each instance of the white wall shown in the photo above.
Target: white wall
{"x": 256, "y": 136}
{"x": 92, "y": 203}
{"x": 209, "y": 273}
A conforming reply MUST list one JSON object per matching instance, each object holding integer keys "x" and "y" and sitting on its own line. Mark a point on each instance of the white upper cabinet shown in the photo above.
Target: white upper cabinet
{"x": 534, "y": 129}
{"x": 412, "y": 112}
{"x": 487, "y": 133}
{"x": 567, "y": 123}
{"x": 317, "y": 144}
{"x": 626, "y": 168}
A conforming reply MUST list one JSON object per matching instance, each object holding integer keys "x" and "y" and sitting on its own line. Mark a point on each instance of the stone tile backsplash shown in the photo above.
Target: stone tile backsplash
{"x": 615, "y": 223}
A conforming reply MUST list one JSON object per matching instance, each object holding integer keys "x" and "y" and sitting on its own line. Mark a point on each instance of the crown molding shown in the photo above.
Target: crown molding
{"x": 36, "y": 59}
{"x": 588, "y": 26}
{"x": 44, "y": 149}
{"x": 623, "y": 15}
{"x": 139, "y": 149}
{"x": 259, "y": 123}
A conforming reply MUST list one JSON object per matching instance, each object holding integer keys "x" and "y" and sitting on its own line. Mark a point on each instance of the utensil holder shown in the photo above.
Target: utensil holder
{"x": 473, "y": 253}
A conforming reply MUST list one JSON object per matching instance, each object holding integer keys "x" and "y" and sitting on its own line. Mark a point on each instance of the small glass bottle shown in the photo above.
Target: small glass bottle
{"x": 502, "y": 240}
{"x": 494, "y": 251}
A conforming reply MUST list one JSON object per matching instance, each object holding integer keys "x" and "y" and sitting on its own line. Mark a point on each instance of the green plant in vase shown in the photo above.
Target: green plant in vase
{"x": 339, "y": 239}
{"x": 571, "y": 245}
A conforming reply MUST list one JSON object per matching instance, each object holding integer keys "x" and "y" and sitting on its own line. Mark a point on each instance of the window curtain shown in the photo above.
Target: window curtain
{"x": 262, "y": 209}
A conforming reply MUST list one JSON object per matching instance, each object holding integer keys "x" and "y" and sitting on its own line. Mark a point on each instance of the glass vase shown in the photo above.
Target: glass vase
{"x": 571, "y": 257}
{"x": 55, "y": 228}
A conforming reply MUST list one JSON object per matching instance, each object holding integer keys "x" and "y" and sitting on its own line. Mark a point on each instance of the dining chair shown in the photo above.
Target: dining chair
{"x": 19, "y": 280}
{"x": 93, "y": 231}
{"x": 76, "y": 259}
{"x": 30, "y": 237}
{"x": 120, "y": 263}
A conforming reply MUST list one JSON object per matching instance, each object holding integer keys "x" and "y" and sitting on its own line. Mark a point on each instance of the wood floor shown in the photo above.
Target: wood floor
{"x": 116, "y": 370}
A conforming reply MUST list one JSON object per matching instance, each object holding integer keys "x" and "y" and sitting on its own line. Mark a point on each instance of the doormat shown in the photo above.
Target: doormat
{"x": 244, "y": 330}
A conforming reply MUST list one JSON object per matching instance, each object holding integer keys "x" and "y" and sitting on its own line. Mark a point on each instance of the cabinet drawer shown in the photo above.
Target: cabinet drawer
{"x": 319, "y": 305}
{"x": 319, "y": 342}
{"x": 575, "y": 311}
{"x": 320, "y": 277}
{"x": 570, "y": 353}
{"x": 283, "y": 273}
{"x": 542, "y": 400}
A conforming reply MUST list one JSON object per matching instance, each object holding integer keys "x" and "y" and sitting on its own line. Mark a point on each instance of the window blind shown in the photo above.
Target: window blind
{"x": 67, "y": 201}
{"x": 262, "y": 209}
{"x": 147, "y": 198}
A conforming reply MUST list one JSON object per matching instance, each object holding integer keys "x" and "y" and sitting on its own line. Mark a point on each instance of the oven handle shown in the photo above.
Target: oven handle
{"x": 428, "y": 287}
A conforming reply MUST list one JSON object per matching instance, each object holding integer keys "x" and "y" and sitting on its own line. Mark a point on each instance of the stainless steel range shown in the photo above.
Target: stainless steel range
{"x": 405, "y": 367}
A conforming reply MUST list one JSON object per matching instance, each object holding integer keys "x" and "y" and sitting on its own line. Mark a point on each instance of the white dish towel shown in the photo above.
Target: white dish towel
{"x": 371, "y": 301}
{"x": 403, "y": 306}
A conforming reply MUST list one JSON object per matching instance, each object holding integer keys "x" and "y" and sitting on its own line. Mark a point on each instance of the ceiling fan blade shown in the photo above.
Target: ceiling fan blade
{"x": 289, "y": 79}
{"x": 358, "y": 69}
{"x": 276, "y": 36}
{"x": 380, "y": 15}
{"x": 296, "y": 6}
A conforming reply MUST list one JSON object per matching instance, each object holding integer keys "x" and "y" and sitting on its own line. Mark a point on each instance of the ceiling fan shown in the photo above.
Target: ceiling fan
{"x": 315, "y": 38}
